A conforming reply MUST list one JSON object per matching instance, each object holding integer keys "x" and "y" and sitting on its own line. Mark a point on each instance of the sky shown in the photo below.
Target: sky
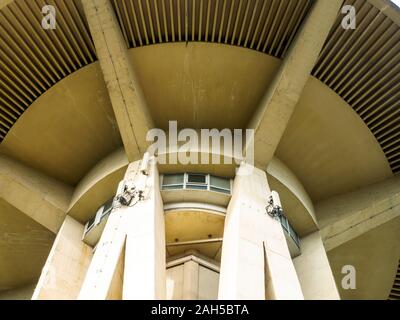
{"x": 396, "y": 2}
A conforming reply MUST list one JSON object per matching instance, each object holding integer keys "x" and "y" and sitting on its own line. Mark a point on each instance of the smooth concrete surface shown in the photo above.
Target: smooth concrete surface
{"x": 40, "y": 197}
{"x": 328, "y": 146}
{"x": 348, "y": 216}
{"x": 145, "y": 257}
{"x": 68, "y": 129}
{"x": 313, "y": 269}
{"x": 66, "y": 265}
{"x": 334, "y": 159}
{"x": 192, "y": 278}
{"x": 312, "y": 146}
{"x": 202, "y": 85}
{"x": 190, "y": 289}
{"x": 22, "y": 293}
{"x": 129, "y": 105}
{"x": 136, "y": 233}
{"x": 277, "y": 105}
{"x": 255, "y": 262}
{"x": 101, "y": 279}
{"x": 191, "y": 226}
{"x": 98, "y": 186}
{"x": 375, "y": 257}
{"x": 297, "y": 205}
{"x": 24, "y": 247}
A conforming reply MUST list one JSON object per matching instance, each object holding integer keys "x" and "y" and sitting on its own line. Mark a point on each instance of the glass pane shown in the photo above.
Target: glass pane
{"x": 108, "y": 206}
{"x": 170, "y": 179}
{"x": 91, "y": 223}
{"x": 173, "y": 187}
{"x": 197, "y": 178}
{"x": 220, "y": 182}
{"x": 220, "y": 190}
{"x": 284, "y": 222}
{"x": 196, "y": 187}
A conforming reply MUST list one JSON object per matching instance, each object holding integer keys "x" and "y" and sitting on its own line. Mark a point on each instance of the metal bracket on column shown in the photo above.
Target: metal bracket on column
{"x": 274, "y": 206}
{"x": 129, "y": 196}
{"x": 133, "y": 190}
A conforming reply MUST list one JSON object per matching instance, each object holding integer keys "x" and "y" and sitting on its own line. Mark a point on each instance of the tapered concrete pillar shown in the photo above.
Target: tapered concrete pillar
{"x": 145, "y": 257}
{"x": 314, "y": 271}
{"x": 66, "y": 266}
{"x": 256, "y": 262}
{"x": 100, "y": 279}
{"x": 129, "y": 261}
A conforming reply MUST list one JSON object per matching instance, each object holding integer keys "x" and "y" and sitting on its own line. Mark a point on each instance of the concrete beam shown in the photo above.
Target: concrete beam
{"x": 345, "y": 217}
{"x": 124, "y": 90}
{"x": 276, "y": 108}
{"x": 43, "y": 199}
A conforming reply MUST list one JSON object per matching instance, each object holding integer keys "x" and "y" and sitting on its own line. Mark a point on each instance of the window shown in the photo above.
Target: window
{"x": 196, "y": 181}
{"x": 173, "y": 181}
{"x": 196, "y": 178}
{"x": 285, "y": 223}
{"x": 107, "y": 208}
{"x": 220, "y": 184}
{"x": 90, "y": 224}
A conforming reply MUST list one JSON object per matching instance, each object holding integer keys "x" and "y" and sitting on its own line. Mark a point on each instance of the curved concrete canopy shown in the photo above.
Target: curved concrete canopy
{"x": 98, "y": 186}
{"x": 68, "y": 129}
{"x": 101, "y": 183}
{"x": 328, "y": 147}
{"x": 380, "y": 123}
{"x": 202, "y": 85}
{"x": 322, "y": 142}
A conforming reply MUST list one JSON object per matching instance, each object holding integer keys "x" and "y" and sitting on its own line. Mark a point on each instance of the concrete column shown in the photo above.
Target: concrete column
{"x": 314, "y": 271}
{"x": 129, "y": 261}
{"x": 256, "y": 262}
{"x": 129, "y": 105}
{"x": 66, "y": 266}
{"x": 100, "y": 279}
{"x": 145, "y": 256}
{"x": 190, "y": 280}
{"x": 276, "y": 108}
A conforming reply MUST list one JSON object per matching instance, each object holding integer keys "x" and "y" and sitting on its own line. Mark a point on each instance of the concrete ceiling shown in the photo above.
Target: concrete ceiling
{"x": 202, "y": 85}
{"x": 375, "y": 256}
{"x": 24, "y": 247}
{"x": 66, "y": 131}
{"x": 186, "y": 225}
{"x": 328, "y": 147}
